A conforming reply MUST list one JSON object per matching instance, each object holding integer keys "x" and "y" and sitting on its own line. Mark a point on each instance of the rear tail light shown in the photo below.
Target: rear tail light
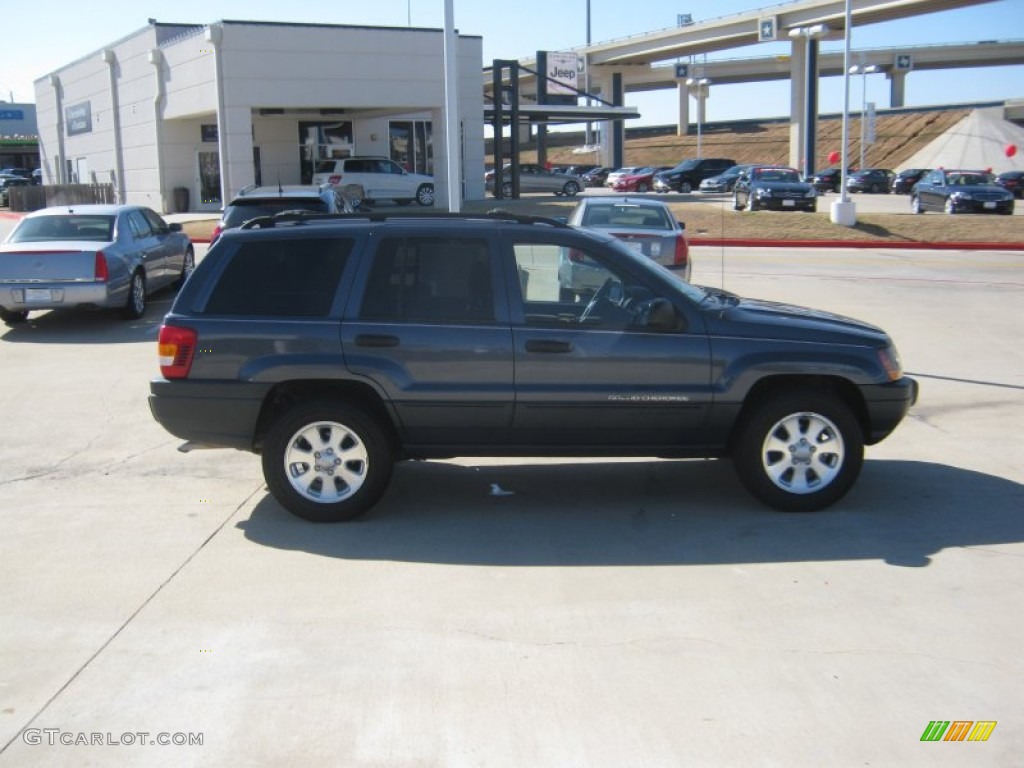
{"x": 334, "y": 180}
{"x": 682, "y": 251}
{"x": 176, "y": 348}
{"x": 216, "y": 233}
{"x": 100, "y": 273}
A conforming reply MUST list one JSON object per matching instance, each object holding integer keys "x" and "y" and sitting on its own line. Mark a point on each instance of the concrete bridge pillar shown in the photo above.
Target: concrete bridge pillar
{"x": 897, "y": 87}
{"x": 683, "y": 92}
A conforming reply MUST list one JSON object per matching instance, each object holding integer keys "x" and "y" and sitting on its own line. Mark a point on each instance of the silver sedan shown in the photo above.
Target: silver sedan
{"x": 102, "y": 256}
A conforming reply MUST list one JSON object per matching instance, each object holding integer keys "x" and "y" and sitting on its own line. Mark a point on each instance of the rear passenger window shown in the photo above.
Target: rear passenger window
{"x": 430, "y": 280}
{"x": 281, "y": 278}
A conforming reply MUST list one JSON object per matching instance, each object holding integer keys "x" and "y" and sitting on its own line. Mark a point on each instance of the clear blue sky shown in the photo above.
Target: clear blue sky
{"x": 52, "y": 33}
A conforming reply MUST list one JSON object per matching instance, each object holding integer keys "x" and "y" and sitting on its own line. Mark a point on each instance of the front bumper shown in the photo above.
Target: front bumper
{"x": 886, "y": 405}
{"x": 961, "y": 205}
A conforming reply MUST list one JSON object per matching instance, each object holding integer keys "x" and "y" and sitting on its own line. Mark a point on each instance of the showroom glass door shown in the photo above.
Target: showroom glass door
{"x": 209, "y": 181}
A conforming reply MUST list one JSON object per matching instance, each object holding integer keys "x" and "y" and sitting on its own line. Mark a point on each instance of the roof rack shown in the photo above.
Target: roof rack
{"x": 299, "y": 217}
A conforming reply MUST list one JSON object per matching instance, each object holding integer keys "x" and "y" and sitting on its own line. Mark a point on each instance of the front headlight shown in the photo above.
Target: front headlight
{"x": 890, "y": 360}
{"x": 762, "y": 192}
{"x": 961, "y": 195}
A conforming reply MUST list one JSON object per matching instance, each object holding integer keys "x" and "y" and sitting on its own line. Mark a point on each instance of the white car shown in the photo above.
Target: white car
{"x": 379, "y": 177}
{"x": 619, "y": 173}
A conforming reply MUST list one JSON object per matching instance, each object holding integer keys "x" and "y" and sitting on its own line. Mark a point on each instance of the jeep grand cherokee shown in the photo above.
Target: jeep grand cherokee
{"x": 336, "y": 345}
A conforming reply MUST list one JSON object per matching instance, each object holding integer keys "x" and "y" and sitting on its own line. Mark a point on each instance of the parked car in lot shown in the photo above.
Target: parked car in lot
{"x": 873, "y": 180}
{"x": 6, "y": 182}
{"x": 596, "y": 177}
{"x": 536, "y": 178}
{"x": 646, "y": 226}
{"x": 253, "y": 202}
{"x": 725, "y": 181}
{"x": 960, "y": 192}
{"x": 688, "y": 175}
{"x": 638, "y": 181}
{"x": 24, "y": 173}
{"x": 904, "y": 181}
{"x": 380, "y": 178}
{"x": 618, "y": 173}
{"x": 774, "y": 187}
{"x": 1012, "y": 181}
{"x": 828, "y": 180}
{"x": 335, "y": 347}
{"x": 96, "y": 256}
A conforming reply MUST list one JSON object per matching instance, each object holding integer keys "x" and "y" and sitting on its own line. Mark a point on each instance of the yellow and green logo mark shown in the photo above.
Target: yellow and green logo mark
{"x": 958, "y": 730}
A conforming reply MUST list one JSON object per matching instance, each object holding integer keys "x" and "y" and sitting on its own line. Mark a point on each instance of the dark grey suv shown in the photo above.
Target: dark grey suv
{"x": 336, "y": 345}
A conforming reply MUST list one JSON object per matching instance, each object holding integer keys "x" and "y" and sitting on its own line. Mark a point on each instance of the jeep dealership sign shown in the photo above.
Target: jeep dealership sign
{"x": 565, "y": 73}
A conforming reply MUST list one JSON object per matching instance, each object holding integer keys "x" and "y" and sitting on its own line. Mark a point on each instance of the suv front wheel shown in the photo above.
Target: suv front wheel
{"x": 425, "y": 194}
{"x": 799, "y": 452}
{"x": 327, "y": 462}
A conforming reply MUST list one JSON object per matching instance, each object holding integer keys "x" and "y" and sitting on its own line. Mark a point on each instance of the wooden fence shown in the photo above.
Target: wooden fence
{"x": 32, "y": 198}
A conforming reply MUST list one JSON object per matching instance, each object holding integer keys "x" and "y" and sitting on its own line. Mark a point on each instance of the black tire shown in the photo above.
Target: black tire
{"x": 875, "y": 189}
{"x": 571, "y": 189}
{"x": 641, "y": 187}
{"x": 915, "y": 204}
{"x": 13, "y": 316}
{"x": 425, "y": 194}
{"x": 685, "y": 186}
{"x": 135, "y": 305}
{"x": 799, "y": 452}
{"x": 363, "y": 458}
{"x": 949, "y": 207}
{"x": 187, "y": 268}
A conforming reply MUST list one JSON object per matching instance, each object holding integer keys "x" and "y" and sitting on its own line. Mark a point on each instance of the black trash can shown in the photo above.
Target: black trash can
{"x": 181, "y": 199}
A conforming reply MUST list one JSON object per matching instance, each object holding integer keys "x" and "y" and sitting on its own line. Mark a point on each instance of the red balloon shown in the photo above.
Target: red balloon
{"x": 1011, "y": 150}
{"x": 833, "y": 157}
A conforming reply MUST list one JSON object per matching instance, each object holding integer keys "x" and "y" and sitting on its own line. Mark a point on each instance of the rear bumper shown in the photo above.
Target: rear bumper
{"x": 887, "y": 404}
{"x": 30, "y": 296}
{"x": 218, "y": 414}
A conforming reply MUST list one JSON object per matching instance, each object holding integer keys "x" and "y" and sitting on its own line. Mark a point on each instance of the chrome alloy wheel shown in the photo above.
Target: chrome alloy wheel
{"x": 326, "y": 462}
{"x": 803, "y": 453}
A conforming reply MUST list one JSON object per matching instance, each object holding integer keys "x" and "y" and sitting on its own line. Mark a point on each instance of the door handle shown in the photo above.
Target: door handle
{"x": 376, "y": 340}
{"x": 548, "y": 345}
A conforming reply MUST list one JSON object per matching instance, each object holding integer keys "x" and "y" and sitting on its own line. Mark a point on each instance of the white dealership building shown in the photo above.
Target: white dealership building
{"x": 213, "y": 108}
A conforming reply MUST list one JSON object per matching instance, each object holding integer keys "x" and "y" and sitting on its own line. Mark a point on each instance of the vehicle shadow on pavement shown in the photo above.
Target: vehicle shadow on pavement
{"x": 86, "y": 326}
{"x": 652, "y": 513}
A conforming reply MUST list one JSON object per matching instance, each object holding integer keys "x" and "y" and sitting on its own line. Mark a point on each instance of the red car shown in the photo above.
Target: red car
{"x": 640, "y": 181}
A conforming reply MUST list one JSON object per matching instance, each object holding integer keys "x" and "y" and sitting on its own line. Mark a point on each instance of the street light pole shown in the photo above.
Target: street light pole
{"x": 844, "y": 211}
{"x": 863, "y": 71}
{"x": 700, "y": 87}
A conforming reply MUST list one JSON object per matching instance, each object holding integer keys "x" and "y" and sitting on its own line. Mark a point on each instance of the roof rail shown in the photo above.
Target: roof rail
{"x": 264, "y": 222}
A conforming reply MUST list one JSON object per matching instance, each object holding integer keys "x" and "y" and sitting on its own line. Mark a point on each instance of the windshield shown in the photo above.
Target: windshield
{"x": 686, "y": 165}
{"x": 626, "y": 215}
{"x": 37, "y": 229}
{"x": 787, "y": 175}
{"x": 967, "y": 179}
{"x": 324, "y": 166}
{"x": 243, "y": 210}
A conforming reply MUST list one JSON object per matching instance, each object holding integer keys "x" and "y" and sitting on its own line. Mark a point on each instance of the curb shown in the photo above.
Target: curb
{"x": 876, "y": 244}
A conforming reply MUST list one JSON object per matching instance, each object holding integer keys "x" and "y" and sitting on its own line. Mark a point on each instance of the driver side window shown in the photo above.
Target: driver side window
{"x": 569, "y": 287}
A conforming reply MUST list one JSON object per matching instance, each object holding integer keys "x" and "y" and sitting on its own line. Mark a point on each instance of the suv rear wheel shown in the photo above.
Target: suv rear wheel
{"x": 326, "y": 461}
{"x": 799, "y": 452}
